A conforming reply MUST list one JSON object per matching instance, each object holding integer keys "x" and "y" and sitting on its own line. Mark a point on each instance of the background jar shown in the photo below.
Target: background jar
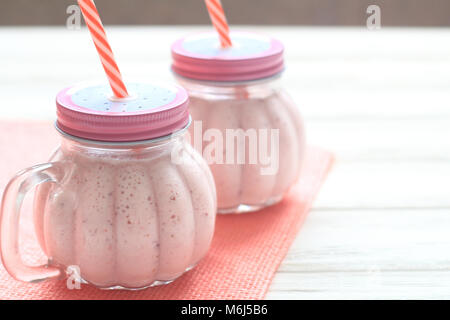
{"x": 237, "y": 92}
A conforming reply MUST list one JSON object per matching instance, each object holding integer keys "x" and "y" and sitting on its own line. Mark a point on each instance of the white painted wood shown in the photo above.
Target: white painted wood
{"x": 366, "y": 73}
{"x": 368, "y": 240}
{"x": 361, "y": 285}
{"x": 380, "y": 100}
{"x": 373, "y": 254}
{"x": 386, "y": 139}
{"x": 386, "y": 185}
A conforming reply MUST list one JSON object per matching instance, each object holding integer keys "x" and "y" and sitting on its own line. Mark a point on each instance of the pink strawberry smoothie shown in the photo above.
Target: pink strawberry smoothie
{"x": 244, "y": 184}
{"x": 237, "y": 89}
{"x": 128, "y": 221}
{"x": 125, "y": 202}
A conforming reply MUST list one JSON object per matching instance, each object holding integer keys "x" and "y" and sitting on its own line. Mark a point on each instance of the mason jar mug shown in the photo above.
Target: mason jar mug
{"x": 245, "y": 125}
{"x": 124, "y": 199}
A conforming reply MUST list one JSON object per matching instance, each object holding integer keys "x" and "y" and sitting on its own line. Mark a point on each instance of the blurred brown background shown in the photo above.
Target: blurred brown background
{"x": 260, "y": 12}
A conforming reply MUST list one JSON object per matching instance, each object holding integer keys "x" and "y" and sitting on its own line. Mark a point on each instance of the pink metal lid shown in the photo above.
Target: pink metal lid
{"x": 252, "y": 56}
{"x": 152, "y": 111}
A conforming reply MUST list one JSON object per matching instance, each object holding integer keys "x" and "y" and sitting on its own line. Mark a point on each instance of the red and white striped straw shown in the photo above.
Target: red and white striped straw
{"x": 98, "y": 34}
{"x": 219, "y": 21}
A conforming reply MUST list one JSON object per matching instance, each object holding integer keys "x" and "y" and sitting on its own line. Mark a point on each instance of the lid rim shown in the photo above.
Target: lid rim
{"x": 118, "y": 143}
{"x": 228, "y": 68}
{"x": 77, "y": 120}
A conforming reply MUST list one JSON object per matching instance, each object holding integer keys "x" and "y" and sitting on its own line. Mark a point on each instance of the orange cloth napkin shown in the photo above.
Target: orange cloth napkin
{"x": 245, "y": 254}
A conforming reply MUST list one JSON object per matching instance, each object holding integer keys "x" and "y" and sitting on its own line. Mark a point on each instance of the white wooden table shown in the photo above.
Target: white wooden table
{"x": 380, "y": 100}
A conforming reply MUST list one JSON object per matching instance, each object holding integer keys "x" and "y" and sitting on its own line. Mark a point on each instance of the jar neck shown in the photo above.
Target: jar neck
{"x": 73, "y": 144}
{"x": 243, "y": 89}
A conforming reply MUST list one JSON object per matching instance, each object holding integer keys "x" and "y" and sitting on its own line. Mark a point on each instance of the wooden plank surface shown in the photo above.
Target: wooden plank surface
{"x": 379, "y": 100}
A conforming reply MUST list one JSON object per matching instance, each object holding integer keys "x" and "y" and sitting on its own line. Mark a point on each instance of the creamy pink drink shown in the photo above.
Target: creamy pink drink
{"x": 131, "y": 213}
{"x": 236, "y": 98}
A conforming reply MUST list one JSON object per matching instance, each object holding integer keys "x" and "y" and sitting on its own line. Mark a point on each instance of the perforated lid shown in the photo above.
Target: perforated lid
{"x": 252, "y": 56}
{"x": 151, "y": 111}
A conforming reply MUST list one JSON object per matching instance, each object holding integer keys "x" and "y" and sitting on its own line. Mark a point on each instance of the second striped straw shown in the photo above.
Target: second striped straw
{"x": 95, "y": 26}
{"x": 219, "y": 21}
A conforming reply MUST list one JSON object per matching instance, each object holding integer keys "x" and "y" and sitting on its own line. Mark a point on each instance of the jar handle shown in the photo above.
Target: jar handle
{"x": 13, "y": 197}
